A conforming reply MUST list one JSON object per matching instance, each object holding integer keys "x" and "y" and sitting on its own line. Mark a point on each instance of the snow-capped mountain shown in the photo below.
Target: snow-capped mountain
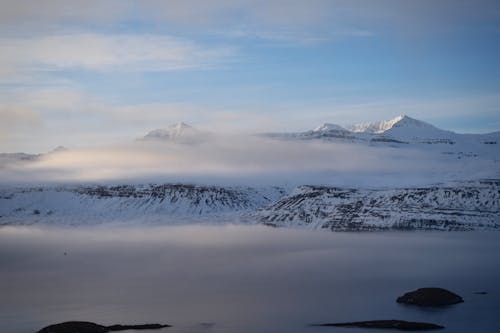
{"x": 327, "y": 127}
{"x": 403, "y": 131}
{"x": 324, "y": 131}
{"x": 406, "y": 129}
{"x": 178, "y": 133}
{"x": 378, "y": 127}
{"x": 456, "y": 206}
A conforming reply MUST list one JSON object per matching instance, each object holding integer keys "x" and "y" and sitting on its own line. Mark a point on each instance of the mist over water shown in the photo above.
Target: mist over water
{"x": 241, "y": 279}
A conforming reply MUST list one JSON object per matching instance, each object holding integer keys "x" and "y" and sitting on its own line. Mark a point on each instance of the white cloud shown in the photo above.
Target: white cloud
{"x": 245, "y": 159}
{"x": 69, "y": 116}
{"x": 105, "y": 52}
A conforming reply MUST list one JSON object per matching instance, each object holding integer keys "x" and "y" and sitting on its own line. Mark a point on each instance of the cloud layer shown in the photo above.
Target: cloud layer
{"x": 246, "y": 160}
{"x": 104, "y": 52}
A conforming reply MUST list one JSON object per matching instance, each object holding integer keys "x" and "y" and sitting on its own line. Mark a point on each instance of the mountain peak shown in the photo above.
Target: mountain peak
{"x": 404, "y": 120}
{"x": 179, "y": 132}
{"x": 378, "y": 127}
{"x": 180, "y": 125}
{"x": 327, "y": 127}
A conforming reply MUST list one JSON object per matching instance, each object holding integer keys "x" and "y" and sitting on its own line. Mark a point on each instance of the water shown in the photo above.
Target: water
{"x": 242, "y": 279}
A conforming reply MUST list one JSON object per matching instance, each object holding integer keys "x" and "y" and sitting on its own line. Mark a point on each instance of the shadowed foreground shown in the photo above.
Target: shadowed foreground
{"x": 88, "y": 327}
{"x": 430, "y": 297}
{"x": 387, "y": 324}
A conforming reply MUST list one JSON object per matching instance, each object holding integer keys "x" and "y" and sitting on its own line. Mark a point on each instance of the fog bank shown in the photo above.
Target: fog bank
{"x": 248, "y": 160}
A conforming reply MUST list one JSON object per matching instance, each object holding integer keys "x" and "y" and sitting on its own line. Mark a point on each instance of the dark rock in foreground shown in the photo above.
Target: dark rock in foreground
{"x": 430, "y": 297}
{"x": 388, "y": 324}
{"x": 88, "y": 327}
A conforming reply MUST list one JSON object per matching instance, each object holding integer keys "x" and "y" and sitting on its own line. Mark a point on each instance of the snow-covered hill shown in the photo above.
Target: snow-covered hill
{"x": 457, "y": 206}
{"x": 166, "y": 203}
{"x": 461, "y": 206}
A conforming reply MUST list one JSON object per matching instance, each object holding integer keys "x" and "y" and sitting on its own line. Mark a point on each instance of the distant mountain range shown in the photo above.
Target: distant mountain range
{"x": 446, "y": 207}
{"x": 460, "y": 205}
{"x": 397, "y": 132}
{"x": 400, "y": 130}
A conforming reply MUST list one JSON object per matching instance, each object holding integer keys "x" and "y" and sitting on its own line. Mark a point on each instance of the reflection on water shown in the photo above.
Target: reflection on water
{"x": 242, "y": 279}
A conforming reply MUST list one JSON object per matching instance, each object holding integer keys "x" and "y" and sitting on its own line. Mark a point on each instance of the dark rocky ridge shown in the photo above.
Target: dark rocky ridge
{"x": 430, "y": 297}
{"x": 88, "y": 327}
{"x": 387, "y": 324}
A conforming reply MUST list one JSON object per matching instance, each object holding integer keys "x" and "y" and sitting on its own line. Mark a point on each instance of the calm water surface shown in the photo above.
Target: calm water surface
{"x": 242, "y": 279}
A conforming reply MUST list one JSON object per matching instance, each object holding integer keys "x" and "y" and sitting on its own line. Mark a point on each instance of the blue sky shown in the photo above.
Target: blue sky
{"x": 95, "y": 72}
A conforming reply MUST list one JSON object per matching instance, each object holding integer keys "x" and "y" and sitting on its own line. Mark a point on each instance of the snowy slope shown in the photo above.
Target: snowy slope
{"x": 166, "y": 203}
{"x": 456, "y": 206}
{"x": 461, "y": 206}
{"x": 402, "y": 122}
{"x": 375, "y": 127}
{"x": 410, "y": 130}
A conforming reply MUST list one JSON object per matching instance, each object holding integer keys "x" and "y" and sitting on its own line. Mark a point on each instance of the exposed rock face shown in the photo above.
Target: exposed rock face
{"x": 88, "y": 327}
{"x": 73, "y": 327}
{"x": 430, "y": 297}
{"x": 388, "y": 324}
{"x": 462, "y": 206}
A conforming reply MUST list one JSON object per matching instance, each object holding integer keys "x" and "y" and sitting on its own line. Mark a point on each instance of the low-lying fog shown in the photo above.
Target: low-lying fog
{"x": 253, "y": 160}
{"x": 242, "y": 279}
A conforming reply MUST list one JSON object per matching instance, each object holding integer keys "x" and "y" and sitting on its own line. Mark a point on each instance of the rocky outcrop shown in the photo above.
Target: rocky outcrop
{"x": 451, "y": 207}
{"x": 388, "y": 324}
{"x": 430, "y": 297}
{"x": 88, "y": 327}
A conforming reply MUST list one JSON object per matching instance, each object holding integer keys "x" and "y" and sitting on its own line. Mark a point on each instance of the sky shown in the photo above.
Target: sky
{"x": 85, "y": 73}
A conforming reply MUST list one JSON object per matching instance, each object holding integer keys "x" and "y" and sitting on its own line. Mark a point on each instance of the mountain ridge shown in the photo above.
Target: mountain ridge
{"x": 453, "y": 206}
{"x": 382, "y": 126}
{"x": 399, "y": 131}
